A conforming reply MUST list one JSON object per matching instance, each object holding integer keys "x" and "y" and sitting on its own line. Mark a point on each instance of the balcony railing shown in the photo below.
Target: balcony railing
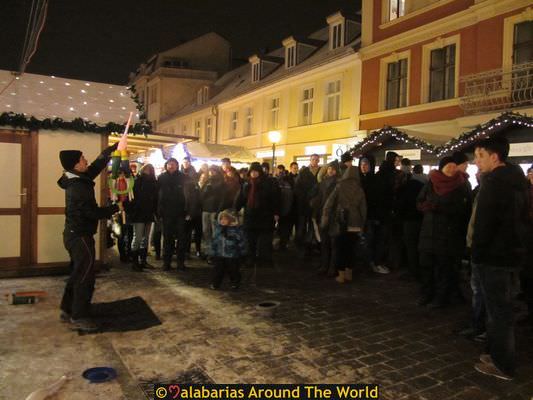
{"x": 498, "y": 90}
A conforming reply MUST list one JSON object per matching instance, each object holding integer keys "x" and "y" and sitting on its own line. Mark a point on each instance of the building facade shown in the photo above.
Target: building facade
{"x": 307, "y": 90}
{"x": 437, "y": 68}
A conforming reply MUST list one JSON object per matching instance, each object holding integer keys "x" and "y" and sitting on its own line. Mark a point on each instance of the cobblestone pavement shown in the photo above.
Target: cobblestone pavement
{"x": 368, "y": 331}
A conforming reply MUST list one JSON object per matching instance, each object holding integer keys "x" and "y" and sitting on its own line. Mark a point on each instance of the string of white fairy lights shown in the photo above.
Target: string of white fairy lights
{"x": 377, "y": 138}
{"x": 481, "y": 132}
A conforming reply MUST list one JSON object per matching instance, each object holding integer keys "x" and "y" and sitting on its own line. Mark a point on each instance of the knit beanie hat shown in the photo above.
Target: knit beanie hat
{"x": 346, "y": 157}
{"x": 445, "y": 161}
{"x": 255, "y": 166}
{"x": 459, "y": 157}
{"x": 69, "y": 158}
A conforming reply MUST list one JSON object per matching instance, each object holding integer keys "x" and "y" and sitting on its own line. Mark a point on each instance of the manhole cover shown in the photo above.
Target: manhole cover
{"x": 194, "y": 375}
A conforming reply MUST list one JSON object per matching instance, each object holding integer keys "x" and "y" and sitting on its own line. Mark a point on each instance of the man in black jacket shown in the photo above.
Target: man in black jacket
{"x": 81, "y": 221}
{"x": 173, "y": 211}
{"x": 498, "y": 249}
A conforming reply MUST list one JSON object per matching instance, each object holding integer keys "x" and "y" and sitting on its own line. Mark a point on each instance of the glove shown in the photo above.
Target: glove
{"x": 107, "y": 152}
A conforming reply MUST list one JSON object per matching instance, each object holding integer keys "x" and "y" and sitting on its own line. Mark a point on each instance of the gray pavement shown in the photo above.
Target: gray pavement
{"x": 368, "y": 331}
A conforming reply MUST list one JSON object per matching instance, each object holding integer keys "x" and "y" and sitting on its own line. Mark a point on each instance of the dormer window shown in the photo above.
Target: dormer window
{"x": 336, "y": 36}
{"x": 202, "y": 95}
{"x": 256, "y": 71}
{"x": 336, "y": 31}
{"x": 290, "y": 56}
{"x": 256, "y": 68}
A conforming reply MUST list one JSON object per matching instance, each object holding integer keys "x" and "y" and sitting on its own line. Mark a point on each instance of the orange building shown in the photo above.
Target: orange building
{"x": 437, "y": 68}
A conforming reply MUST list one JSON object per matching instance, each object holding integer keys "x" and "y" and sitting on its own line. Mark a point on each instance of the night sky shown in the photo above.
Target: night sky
{"x": 103, "y": 40}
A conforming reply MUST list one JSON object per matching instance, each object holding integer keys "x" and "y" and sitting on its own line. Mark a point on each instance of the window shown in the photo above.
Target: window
{"x": 197, "y": 128}
{"x": 249, "y": 121}
{"x": 208, "y": 130}
{"x": 290, "y": 56}
{"x": 233, "y": 124}
{"x": 336, "y": 36}
{"x": 274, "y": 113}
{"x": 333, "y": 100}
{"x": 256, "y": 71}
{"x": 523, "y": 42}
{"x": 442, "y": 73}
{"x": 307, "y": 106}
{"x": 202, "y": 95}
{"x": 153, "y": 96}
{"x": 396, "y": 84}
{"x": 396, "y": 9}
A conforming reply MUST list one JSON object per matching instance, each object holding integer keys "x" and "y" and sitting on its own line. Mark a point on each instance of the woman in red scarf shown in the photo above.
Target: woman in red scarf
{"x": 445, "y": 201}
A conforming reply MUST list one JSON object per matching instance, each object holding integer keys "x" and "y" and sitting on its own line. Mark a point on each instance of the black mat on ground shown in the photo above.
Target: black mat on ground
{"x": 131, "y": 314}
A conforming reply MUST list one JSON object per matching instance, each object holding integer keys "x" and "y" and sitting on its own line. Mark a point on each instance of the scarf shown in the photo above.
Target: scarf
{"x": 443, "y": 184}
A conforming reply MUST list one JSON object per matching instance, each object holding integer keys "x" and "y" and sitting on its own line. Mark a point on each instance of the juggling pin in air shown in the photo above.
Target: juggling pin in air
{"x": 125, "y": 162}
{"x": 115, "y": 164}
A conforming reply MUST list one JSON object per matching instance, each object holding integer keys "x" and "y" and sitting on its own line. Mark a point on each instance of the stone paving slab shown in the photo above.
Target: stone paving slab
{"x": 369, "y": 331}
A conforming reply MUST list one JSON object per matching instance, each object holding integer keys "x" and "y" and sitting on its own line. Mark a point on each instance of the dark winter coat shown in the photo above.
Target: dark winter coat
{"x": 443, "y": 230}
{"x": 500, "y": 226}
{"x": 81, "y": 210}
{"x": 171, "y": 197}
{"x": 346, "y": 204}
{"x": 212, "y": 194}
{"x": 406, "y": 203}
{"x": 305, "y": 189}
{"x": 267, "y": 203}
{"x": 143, "y": 207}
{"x": 325, "y": 188}
{"x": 385, "y": 187}
{"x": 232, "y": 188}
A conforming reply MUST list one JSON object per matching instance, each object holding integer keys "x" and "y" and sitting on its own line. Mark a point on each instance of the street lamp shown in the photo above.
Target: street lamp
{"x": 274, "y": 137}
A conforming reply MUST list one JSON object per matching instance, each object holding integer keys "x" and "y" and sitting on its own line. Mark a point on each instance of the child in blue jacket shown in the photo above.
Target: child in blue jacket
{"x": 227, "y": 248}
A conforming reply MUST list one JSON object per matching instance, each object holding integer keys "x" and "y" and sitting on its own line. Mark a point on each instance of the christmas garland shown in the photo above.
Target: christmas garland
{"x": 78, "y": 124}
{"x": 377, "y": 138}
{"x": 504, "y": 121}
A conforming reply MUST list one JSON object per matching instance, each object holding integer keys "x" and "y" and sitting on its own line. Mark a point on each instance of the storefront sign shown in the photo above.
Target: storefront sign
{"x": 338, "y": 149}
{"x": 411, "y": 154}
{"x": 521, "y": 149}
{"x": 309, "y": 150}
{"x": 268, "y": 153}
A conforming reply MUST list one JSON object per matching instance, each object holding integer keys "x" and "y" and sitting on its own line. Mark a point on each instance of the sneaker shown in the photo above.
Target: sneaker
{"x": 64, "y": 317}
{"x": 212, "y": 287}
{"x": 492, "y": 370}
{"x": 380, "y": 269}
{"x": 83, "y": 325}
{"x": 485, "y": 359}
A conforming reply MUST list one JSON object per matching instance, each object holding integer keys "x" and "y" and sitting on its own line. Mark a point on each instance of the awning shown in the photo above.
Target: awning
{"x": 155, "y": 140}
{"x": 207, "y": 151}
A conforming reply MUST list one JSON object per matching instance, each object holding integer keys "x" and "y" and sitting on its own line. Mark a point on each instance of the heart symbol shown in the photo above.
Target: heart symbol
{"x": 174, "y": 391}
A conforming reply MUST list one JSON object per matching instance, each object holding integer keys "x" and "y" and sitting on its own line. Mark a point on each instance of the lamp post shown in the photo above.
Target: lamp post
{"x": 274, "y": 137}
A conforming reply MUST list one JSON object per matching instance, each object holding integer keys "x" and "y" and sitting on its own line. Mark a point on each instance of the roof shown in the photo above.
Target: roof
{"x": 208, "y": 151}
{"x": 43, "y": 96}
{"x": 388, "y": 134}
{"x": 238, "y": 81}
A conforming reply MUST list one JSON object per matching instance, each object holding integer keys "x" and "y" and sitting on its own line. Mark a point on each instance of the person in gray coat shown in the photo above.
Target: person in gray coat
{"x": 345, "y": 215}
